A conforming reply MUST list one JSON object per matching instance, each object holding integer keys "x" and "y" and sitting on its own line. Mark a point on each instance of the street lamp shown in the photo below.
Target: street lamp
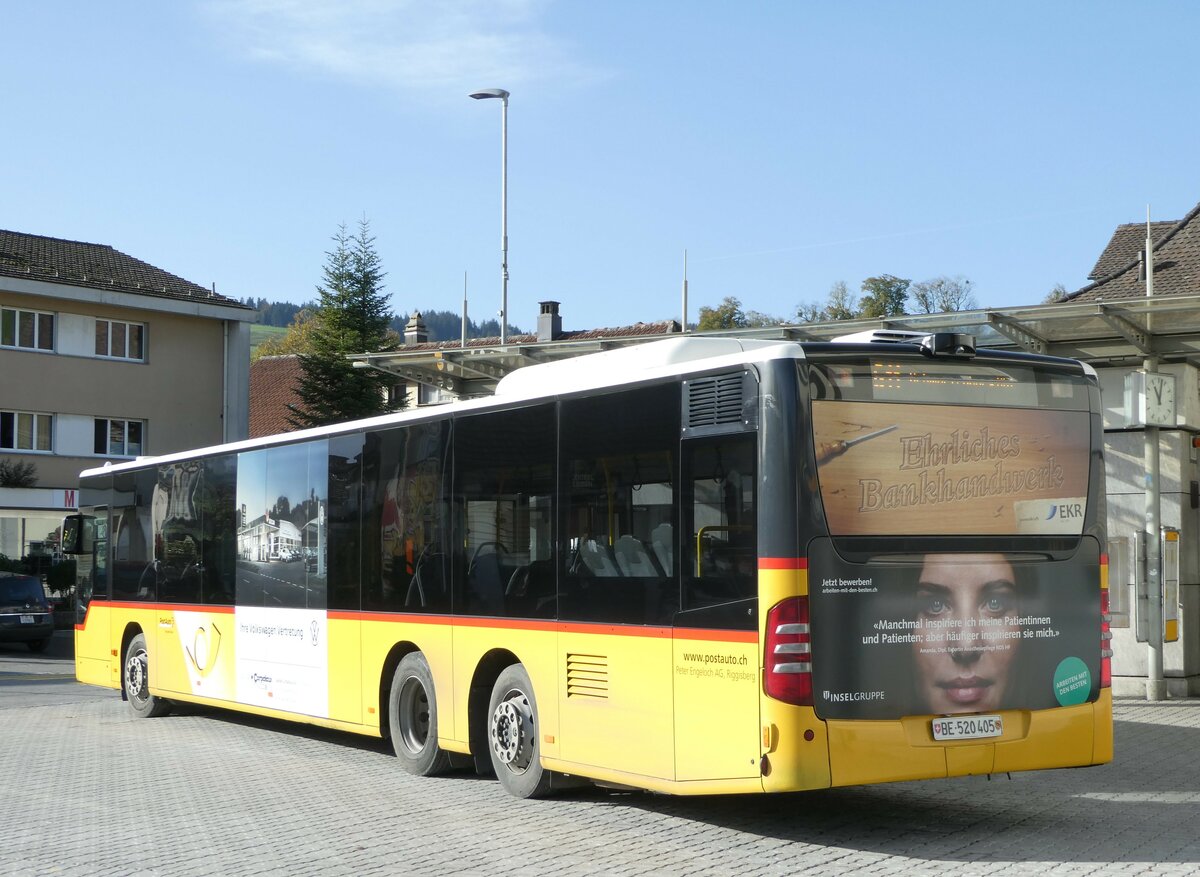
{"x": 503, "y": 95}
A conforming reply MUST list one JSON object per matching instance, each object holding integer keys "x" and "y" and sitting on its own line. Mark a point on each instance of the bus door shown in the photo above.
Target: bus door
{"x": 94, "y": 664}
{"x": 616, "y": 598}
{"x": 715, "y": 656}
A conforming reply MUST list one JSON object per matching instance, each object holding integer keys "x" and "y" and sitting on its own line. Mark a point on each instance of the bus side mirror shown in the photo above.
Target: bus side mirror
{"x": 75, "y": 535}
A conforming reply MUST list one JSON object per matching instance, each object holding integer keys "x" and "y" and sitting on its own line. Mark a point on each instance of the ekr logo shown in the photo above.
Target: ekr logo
{"x": 1071, "y": 510}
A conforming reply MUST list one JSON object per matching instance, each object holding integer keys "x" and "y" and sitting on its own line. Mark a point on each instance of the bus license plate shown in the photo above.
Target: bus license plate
{"x": 967, "y": 727}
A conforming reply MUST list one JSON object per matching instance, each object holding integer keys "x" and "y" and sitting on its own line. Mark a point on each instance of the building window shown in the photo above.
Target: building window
{"x": 118, "y": 438}
{"x": 26, "y": 431}
{"x": 119, "y": 340}
{"x": 26, "y": 329}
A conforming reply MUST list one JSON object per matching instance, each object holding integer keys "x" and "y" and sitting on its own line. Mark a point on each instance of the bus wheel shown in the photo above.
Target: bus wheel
{"x": 513, "y": 735}
{"x": 412, "y": 718}
{"x": 136, "y": 682}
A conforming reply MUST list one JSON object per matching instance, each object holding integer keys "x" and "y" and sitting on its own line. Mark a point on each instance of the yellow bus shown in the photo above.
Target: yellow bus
{"x": 701, "y": 565}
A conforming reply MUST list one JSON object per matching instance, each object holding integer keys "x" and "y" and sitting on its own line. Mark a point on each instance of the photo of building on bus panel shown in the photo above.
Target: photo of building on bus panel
{"x": 281, "y": 512}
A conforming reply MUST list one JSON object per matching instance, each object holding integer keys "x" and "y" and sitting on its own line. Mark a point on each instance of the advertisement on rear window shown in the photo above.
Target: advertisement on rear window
{"x": 903, "y": 469}
{"x": 946, "y": 634}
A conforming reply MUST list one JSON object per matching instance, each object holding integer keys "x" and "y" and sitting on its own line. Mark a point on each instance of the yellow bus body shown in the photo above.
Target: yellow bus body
{"x": 675, "y": 711}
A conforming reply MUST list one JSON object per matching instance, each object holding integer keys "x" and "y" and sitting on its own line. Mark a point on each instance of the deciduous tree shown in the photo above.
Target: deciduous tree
{"x": 727, "y": 315}
{"x": 883, "y": 296}
{"x": 943, "y": 295}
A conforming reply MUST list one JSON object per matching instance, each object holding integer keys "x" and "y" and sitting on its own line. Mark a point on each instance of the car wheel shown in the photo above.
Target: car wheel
{"x": 135, "y": 681}
{"x": 38, "y": 645}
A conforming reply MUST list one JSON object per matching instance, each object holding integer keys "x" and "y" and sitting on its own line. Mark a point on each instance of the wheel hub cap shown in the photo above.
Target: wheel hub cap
{"x": 511, "y": 729}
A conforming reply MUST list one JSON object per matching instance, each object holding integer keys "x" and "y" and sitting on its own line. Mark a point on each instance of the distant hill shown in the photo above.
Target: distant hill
{"x": 447, "y": 326}
{"x": 275, "y": 313}
{"x": 260, "y": 333}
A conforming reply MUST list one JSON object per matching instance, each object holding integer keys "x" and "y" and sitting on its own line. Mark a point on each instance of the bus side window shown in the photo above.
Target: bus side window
{"x": 503, "y": 508}
{"x": 133, "y": 576}
{"x": 721, "y": 542}
{"x": 405, "y": 567}
{"x": 619, "y": 477}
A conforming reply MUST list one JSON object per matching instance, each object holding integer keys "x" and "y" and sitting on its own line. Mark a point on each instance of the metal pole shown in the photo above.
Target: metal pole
{"x": 685, "y": 303}
{"x": 503, "y": 95}
{"x": 1156, "y": 686}
{"x": 504, "y": 218}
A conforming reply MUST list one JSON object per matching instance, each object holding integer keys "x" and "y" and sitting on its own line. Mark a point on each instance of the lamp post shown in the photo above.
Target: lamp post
{"x": 503, "y": 95}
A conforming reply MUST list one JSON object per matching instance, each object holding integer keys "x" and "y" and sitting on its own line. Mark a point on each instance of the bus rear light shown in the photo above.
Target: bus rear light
{"x": 788, "y": 658}
{"x": 1105, "y": 640}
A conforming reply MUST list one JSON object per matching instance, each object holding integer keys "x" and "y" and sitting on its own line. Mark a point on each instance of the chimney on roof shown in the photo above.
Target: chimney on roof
{"x": 549, "y": 322}
{"x": 415, "y": 331}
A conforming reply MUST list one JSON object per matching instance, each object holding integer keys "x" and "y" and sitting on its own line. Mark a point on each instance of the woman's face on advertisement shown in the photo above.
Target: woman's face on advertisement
{"x": 966, "y": 604}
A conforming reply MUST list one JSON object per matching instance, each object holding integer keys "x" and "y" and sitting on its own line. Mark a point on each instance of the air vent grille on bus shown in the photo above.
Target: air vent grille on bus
{"x": 714, "y": 401}
{"x": 587, "y": 676}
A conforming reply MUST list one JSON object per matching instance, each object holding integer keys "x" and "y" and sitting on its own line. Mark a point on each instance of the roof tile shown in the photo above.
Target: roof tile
{"x": 95, "y": 266}
{"x": 1176, "y": 262}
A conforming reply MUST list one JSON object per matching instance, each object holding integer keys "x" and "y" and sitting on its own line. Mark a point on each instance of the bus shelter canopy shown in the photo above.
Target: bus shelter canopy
{"x": 1101, "y": 333}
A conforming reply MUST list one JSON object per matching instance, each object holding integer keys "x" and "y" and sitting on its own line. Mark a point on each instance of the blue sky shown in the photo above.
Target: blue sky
{"x": 785, "y": 145}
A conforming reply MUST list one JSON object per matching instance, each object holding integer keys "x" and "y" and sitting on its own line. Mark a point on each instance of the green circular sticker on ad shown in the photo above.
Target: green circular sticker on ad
{"x": 1072, "y": 682}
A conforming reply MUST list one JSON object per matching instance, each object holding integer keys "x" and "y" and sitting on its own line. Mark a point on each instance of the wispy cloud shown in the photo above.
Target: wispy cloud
{"x": 409, "y": 45}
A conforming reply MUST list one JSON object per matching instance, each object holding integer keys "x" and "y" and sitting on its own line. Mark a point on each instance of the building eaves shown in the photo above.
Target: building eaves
{"x": 95, "y": 266}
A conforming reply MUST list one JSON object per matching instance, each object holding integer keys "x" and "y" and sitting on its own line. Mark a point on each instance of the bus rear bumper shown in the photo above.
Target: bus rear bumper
{"x": 862, "y": 752}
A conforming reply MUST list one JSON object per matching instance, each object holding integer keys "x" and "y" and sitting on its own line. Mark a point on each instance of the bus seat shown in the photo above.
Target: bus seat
{"x": 598, "y": 559}
{"x": 633, "y": 558}
{"x": 662, "y": 540}
{"x": 485, "y": 585}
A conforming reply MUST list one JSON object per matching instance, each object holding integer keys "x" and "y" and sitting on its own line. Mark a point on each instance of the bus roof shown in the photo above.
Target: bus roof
{"x": 594, "y": 371}
{"x": 608, "y": 368}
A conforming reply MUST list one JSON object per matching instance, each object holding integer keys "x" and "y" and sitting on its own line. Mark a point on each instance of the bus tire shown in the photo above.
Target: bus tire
{"x": 135, "y": 681}
{"x": 514, "y": 734}
{"x": 412, "y": 718}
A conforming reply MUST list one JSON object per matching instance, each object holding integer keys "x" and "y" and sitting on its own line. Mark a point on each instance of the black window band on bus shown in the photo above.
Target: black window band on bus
{"x": 991, "y": 381}
{"x": 860, "y": 549}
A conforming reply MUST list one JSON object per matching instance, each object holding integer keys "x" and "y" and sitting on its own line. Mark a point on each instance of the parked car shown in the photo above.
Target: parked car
{"x": 25, "y": 614}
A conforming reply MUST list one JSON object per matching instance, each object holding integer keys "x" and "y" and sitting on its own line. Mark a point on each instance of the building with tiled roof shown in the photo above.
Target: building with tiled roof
{"x": 273, "y": 382}
{"x": 104, "y": 357}
{"x": 1120, "y": 274}
{"x": 94, "y": 266}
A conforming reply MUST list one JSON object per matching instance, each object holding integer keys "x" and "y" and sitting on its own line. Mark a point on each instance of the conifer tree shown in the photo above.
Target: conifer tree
{"x": 353, "y": 317}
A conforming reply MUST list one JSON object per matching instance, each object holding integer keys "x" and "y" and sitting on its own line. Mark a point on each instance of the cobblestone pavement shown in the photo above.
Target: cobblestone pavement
{"x": 89, "y": 790}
